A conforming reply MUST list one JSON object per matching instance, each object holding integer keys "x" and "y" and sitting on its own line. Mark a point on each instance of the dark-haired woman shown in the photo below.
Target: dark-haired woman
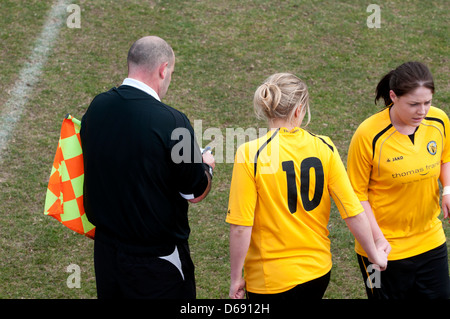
{"x": 395, "y": 160}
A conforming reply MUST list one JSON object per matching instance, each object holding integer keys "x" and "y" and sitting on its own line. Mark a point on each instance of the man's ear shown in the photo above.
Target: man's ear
{"x": 163, "y": 70}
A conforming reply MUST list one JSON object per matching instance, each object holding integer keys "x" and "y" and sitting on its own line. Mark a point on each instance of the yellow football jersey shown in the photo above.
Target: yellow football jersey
{"x": 281, "y": 185}
{"x": 398, "y": 174}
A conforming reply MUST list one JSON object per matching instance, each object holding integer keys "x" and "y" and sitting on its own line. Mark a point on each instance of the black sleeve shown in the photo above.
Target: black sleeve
{"x": 187, "y": 159}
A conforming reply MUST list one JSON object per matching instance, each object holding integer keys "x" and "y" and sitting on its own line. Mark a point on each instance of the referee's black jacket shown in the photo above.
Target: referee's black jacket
{"x": 132, "y": 186}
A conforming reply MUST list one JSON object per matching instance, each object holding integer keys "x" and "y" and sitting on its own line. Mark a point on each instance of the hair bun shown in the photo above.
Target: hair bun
{"x": 279, "y": 95}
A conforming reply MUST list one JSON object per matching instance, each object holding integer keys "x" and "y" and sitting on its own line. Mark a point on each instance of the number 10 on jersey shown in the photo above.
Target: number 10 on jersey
{"x": 305, "y": 178}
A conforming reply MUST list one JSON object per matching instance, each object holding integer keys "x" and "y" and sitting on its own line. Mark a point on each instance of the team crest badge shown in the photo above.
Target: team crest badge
{"x": 432, "y": 147}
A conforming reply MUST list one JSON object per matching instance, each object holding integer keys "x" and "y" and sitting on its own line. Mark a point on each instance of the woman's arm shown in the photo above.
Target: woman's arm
{"x": 360, "y": 227}
{"x": 239, "y": 243}
{"x": 445, "y": 181}
{"x": 378, "y": 236}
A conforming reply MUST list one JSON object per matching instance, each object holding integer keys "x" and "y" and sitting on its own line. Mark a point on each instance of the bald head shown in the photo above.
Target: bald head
{"x": 152, "y": 61}
{"x": 149, "y": 53}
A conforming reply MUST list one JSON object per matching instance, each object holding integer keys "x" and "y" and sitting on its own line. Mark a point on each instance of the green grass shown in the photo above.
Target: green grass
{"x": 224, "y": 49}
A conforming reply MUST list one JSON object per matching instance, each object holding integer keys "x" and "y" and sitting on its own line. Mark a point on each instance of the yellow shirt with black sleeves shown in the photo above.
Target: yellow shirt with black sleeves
{"x": 398, "y": 174}
{"x": 281, "y": 185}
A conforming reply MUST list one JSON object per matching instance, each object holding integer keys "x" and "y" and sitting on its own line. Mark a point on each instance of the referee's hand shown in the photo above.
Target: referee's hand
{"x": 208, "y": 158}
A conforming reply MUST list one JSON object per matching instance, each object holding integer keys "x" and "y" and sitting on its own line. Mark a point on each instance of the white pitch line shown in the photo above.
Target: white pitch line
{"x": 31, "y": 72}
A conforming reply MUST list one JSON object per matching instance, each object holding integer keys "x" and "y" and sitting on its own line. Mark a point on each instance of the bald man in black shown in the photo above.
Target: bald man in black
{"x": 137, "y": 188}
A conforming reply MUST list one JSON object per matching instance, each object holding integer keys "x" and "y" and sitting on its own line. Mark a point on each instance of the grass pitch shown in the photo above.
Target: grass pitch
{"x": 224, "y": 50}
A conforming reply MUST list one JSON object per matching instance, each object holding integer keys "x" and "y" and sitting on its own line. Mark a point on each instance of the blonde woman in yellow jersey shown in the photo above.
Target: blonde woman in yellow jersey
{"x": 395, "y": 160}
{"x": 279, "y": 202}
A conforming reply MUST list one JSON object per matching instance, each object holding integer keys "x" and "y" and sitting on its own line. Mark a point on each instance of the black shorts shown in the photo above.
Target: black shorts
{"x": 314, "y": 289}
{"x": 423, "y": 276}
{"x": 120, "y": 274}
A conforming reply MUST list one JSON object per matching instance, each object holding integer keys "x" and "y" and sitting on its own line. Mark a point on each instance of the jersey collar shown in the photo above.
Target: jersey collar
{"x": 141, "y": 86}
